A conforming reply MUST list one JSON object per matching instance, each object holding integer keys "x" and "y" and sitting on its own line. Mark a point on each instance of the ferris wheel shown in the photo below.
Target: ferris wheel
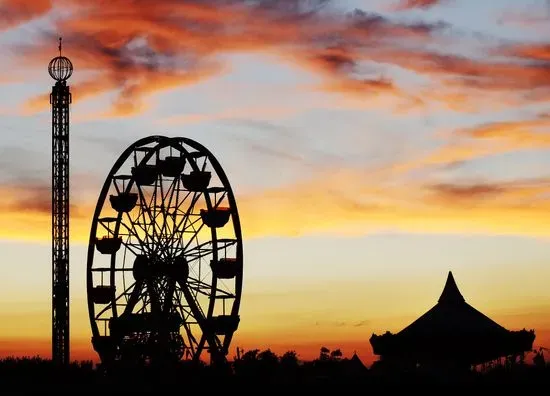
{"x": 165, "y": 256}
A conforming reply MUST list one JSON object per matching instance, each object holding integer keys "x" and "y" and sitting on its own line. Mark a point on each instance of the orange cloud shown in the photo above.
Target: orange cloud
{"x": 133, "y": 88}
{"x": 337, "y": 64}
{"x": 85, "y": 90}
{"x": 480, "y": 141}
{"x": 530, "y": 132}
{"x": 514, "y": 193}
{"x": 411, "y": 4}
{"x": 536, "y": 52}
{"x": 14, "y": 12}
{"x": 137, "y": 51}
{"x": 456, "y": 71}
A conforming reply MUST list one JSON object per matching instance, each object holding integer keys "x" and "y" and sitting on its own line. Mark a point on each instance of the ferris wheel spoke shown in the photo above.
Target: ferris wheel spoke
{"x": 177, "y": 234}
{"x": 156, "y": 212}
{"x": 214, "y": 347}
{"x": 137, "y": 292}
{"x": 199, "y": 317}
{"x": 194, "y": 306}
{"x": 194, "y": 237}
{"x": 219, "y": 200}
{"x": 192, "y": 340}
{"x": 163, "y": 211}
{"x": 146, "y": 302}
{"x": 187, "y": 213}
{"x": 201, "y": 254}
{"x": 168, "y": 230}
{"x": 145, "y": 209}
{"x": 172, "y": 242}
{"x": 207, "y": 248}
{"x": 172, "y": 188}
{"x": 202, "y": 342}
{"x": 179, "y": 229}
{"x": 206, "y": 289}
{"x": 153, "y": 296}
{"x": 163, "y": 217}
{"x": 169, "y": 296}
{"x": 197, "y": 231}
{"x": 184, "y": 310}
{"x": 166, "y": 294}
{"x": 134, "y": 248}
{"x": 109, "y": 306}
{"x": 221, "y": 244}
{"x": 132, "y": 232}
{"x": 185, "y": 314}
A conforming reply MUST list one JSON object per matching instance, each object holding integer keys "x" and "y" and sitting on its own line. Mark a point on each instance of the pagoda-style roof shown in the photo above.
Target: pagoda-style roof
{"x": 452, "y": 330}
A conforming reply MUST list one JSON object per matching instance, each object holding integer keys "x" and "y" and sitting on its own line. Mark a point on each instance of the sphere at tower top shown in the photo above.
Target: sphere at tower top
{"x": 60, "y": 68}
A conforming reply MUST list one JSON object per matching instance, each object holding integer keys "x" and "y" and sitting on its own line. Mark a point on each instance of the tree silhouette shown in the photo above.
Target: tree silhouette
{"x": 250, "y": 356}
{"x": 324, "y": 354}
{"x": 336, "y": 355}
{"x": 268, "y": 357}
{"x": 289, "y": 359}
{"x": 268, "y": 362}
{"x": 256, "y": 369}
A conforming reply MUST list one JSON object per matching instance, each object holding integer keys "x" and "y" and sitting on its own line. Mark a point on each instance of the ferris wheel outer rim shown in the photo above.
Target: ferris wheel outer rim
{"x": 162, "y": 142}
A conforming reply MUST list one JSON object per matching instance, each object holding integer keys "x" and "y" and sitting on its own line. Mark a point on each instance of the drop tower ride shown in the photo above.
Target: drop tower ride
{"x": 60, "y": 69}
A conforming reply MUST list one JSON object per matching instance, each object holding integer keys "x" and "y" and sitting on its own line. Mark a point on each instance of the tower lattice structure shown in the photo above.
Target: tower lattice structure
{"x": 60, "y": 69}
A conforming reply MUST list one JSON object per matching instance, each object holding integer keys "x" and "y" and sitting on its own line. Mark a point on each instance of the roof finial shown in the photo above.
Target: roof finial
{"x": 450, "y": 293}
{"x": 60, "y": 45}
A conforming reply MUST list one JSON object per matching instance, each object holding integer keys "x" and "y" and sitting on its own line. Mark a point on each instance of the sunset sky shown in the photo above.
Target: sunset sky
{"x": 373, "y": 145}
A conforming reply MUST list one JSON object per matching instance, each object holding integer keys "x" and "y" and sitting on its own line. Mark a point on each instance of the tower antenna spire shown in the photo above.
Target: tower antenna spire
{"x": 60, "y": 44}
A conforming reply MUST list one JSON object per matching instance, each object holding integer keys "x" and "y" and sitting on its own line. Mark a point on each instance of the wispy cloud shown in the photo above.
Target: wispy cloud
{"x": 528, "y": 15}
{"x": 251, "y": 113}
{"x": 137, "y": 51}
{"x": 15, "y": 12}
{"x": 530, "y": 52}
{"x": 412, "y": 4}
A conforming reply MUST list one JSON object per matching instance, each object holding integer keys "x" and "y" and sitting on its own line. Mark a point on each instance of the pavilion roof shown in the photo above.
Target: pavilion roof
{"x": 452, "y": 315}
{"x": 453, "y": 330}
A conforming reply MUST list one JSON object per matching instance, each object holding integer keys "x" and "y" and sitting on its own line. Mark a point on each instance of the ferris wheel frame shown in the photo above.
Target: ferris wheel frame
{"x": 212, "y": 327}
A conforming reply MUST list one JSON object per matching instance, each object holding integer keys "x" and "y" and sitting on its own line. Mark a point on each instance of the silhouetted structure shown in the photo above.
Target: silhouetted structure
{"x": 451, "y": 334}
{"x": 355, "y": 365}
{"x": 60, "y": 69}
{"x": 165, "y": 257}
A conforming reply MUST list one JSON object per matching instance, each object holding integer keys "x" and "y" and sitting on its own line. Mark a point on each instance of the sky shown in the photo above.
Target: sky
{"x": 372, "y": 146}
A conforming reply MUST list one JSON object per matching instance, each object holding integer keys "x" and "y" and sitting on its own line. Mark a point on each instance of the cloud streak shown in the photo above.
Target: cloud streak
{"x": 137, "y": 51}
{"x": 412, "y": 4}
{"x": 290, "y": 211}
{"x": 344, "y": 202}
{"x": 15, "y": 12}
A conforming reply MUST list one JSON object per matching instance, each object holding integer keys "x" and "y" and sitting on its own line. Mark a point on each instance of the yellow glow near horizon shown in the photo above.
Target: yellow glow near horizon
{"x": 288, "y": 212}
